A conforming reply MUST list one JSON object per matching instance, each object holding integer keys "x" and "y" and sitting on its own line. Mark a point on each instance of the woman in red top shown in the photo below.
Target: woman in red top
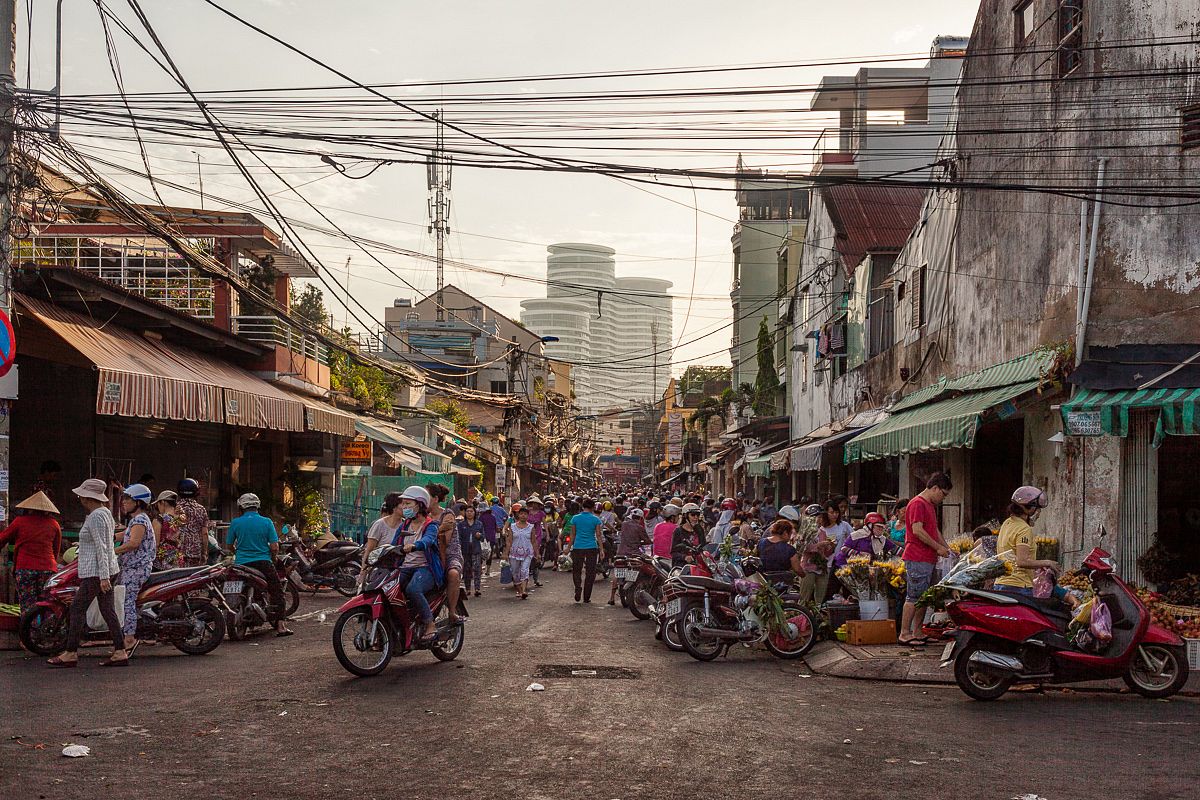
{"x": 37, "y": 540}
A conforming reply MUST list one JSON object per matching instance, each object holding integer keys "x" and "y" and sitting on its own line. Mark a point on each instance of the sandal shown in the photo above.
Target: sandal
{"x": 115, "y": 662}
{"x": 59, "y": 662}
{"x": 284, "y": 632}
{"x": 916, "y": 641}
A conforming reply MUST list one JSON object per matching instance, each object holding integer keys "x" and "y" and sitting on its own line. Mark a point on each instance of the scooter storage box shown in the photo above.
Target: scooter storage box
{"x": 875, "y": 631}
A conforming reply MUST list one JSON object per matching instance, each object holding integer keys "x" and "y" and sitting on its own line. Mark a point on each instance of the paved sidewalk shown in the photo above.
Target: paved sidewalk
{"x": 898, "y": 664}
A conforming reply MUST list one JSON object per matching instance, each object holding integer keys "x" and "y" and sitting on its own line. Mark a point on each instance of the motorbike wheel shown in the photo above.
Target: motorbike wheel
{"x": 701, "y": 648}
{"x": 43, "y": 631}
{"x": 347, "y": 581}
{"x": 350, "y": 643}
{"x": 669, "y": 633}
{"x": 293, "y": 599}
{"x": 638, "y": 609}
{"x": 208, "y": 630}
{"x": 806, "y": 635}
{"x": 447, "y": 647}
{"x": 1157, "y": 670}
{"x": 978, "y": 682}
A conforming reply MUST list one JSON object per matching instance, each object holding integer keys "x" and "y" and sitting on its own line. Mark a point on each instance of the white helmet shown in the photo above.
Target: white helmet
{"x": 789, "y": 512}
{"x": 691, "y": 508}
{"x": 418, "y": 493}
{"x": 249, "y": 500}
{"x": 670, "y": 510}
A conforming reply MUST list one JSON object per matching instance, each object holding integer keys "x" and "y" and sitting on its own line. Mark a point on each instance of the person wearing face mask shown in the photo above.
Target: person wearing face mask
{"x": 1016, "y": 534}
{"x": 870, "y": 540}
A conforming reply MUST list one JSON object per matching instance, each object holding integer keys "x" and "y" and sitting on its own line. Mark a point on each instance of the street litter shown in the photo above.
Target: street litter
{"x": 535, "y": 687}
{"x": 76, "y": 751}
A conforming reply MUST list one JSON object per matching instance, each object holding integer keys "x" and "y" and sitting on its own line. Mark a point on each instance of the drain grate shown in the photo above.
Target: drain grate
{"x": 585, "y": 671}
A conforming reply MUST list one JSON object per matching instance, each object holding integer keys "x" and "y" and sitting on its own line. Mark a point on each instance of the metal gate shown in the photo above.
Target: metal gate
{"x": 1139, "y": 494}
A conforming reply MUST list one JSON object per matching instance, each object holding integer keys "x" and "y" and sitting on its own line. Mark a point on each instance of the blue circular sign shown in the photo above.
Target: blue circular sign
{"x": 8, "y": 344}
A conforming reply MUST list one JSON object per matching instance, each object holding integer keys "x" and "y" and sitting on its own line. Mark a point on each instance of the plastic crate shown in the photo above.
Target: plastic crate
{"x": 1193, "y": 653}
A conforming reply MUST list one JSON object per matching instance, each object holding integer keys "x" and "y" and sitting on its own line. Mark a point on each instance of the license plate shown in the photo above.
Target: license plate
{"x": 232, "y": 587}
{"x": 947, "y": 650}
{"x": 627, "y": 575}
{"x": 674, "y": 608}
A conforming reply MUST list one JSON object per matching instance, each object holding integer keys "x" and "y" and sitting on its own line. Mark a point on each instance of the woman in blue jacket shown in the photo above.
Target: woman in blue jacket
{"x": 421, "y": 570}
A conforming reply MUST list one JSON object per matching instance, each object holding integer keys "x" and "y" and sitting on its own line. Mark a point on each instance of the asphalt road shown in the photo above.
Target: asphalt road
{"x": 281, "y": 719}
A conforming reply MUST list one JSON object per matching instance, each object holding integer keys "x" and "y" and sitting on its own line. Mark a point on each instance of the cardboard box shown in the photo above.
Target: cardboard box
{"x": 877, "y": 631}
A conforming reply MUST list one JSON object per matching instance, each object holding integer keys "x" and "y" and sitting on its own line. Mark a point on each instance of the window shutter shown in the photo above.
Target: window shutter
{"x": 915, "y": 291}
{"x": 1191, "y": 126}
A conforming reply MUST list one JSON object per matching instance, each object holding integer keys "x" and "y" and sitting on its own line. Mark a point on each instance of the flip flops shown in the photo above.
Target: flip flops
{"x": 109, "y": 662}
{"x": 916, "y": 641}
{"x": 59, "y": 663}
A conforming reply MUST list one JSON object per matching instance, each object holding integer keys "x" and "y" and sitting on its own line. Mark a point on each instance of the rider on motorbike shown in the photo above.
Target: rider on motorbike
{"x": 255, "y": 543}
{"x": 421, "y": 570}
{"x": 1016, "y": 534}
{"x": 688, "y": 537}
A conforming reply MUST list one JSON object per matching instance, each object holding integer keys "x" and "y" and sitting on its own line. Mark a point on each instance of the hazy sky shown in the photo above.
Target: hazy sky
{"x": 503, "y": 220}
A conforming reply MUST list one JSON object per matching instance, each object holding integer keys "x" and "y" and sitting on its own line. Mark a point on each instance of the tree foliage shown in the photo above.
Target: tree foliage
{"x": 309, "y": 305}
{"x": 370, "y": 386}
{"x": 766, "y": 382}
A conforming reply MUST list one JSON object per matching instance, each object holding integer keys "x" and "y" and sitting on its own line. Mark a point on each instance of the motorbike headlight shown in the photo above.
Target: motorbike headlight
{"x": 375, "y": 555}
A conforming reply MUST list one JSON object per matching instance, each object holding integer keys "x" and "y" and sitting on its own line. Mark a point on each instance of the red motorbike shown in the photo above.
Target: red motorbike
{"x": 171, "y": 608}
{"x": 377, "y": 623}
{"x": 1005, "y": 637}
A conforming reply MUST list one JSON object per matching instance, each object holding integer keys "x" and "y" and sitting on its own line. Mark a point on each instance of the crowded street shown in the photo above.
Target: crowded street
{"x": 666, "y": 727}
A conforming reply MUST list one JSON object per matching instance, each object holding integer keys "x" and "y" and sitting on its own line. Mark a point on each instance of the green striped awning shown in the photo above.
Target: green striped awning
{"x": 936, "y": 426}
{"x": 1030, "y": 367}
{"x": 1095, "y": 412}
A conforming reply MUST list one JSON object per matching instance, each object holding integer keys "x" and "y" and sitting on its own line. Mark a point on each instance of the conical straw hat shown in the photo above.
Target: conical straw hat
{"x": 38, "y": 502}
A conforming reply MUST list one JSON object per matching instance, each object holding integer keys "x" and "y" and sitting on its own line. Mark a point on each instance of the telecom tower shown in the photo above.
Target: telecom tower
{"x": 437, "y": 168}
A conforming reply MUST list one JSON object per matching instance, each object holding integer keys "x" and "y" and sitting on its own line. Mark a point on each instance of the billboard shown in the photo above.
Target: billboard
{"x": 620, "y": 468}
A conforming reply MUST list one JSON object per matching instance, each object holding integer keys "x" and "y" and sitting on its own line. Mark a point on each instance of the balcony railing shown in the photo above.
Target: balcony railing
{"x": 141, "y": 264}
{"x": 274, "y": 331}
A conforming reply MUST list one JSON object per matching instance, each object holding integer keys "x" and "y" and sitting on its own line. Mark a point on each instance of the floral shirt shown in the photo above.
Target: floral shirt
{"x": 191, "y": 523}
{"x": 143, "y": 556}
{"x": 168, "y": 555}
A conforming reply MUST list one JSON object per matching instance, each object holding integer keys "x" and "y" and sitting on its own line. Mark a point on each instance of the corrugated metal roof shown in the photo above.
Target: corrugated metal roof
{"x": 872, "y": 219}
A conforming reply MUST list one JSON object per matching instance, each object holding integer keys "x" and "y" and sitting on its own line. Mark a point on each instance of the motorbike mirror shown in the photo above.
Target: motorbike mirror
{"x": 1103, "y": 531}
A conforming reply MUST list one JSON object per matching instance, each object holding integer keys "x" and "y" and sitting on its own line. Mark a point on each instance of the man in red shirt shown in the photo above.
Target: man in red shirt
{"x": 922, "y": 546}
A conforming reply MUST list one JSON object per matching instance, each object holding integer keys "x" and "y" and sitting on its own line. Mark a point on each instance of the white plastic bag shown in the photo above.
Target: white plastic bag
{"x": 95, "y": 620}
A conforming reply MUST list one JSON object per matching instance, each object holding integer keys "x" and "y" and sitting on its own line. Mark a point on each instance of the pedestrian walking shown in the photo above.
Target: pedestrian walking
{"x": 136, "y": 552}
{"x": 98, "y": 572}
{"x": 586, "y": 546}
{"x": 37, "y": 540}
{"x": 537, "y": 515}
{"x": 518, "y": 549}
{"x": 191, "y": 522}
{"x": 923, "y": 546}
{"x": 490, "y": 530}
{"x": 470, "y": 537}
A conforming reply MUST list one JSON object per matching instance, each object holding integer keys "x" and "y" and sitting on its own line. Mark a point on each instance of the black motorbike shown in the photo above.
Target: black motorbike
{"x": 336, "y": 565}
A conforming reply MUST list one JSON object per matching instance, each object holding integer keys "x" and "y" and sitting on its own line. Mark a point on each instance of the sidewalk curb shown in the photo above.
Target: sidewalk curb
{"x": 833, "y": 660}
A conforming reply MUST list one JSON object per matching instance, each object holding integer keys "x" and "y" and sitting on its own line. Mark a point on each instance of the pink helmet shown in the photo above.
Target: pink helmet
{"x": 1029, "y": 496}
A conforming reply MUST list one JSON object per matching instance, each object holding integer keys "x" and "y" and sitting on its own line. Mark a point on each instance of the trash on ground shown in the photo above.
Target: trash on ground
{"x": 535, "y": 687}
{"x": 76, "y": 751}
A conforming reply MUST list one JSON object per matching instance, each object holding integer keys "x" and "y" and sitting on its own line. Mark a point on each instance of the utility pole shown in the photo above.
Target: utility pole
{"x": 437, "y": 166}
{"x": 8, "y": 205}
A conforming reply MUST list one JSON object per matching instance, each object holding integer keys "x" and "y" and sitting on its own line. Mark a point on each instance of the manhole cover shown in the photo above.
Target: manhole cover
{"x": 585, "y": 671}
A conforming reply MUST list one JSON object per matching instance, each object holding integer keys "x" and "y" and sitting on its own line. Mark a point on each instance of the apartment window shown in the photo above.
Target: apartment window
{"x": 1024, "y": 22}
{"x": 413, "y": 316}
{"x": 1070, "y": 36}
{"x": 499, "y": 387}
{"x": 880, "y": 306}
{"x": 1190, "y": 117}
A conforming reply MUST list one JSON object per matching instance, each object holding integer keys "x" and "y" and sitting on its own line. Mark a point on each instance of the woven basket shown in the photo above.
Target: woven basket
{"x": 1180, "y": 611}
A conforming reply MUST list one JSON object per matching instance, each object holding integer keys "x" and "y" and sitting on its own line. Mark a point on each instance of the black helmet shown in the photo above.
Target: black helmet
{"x": 188, "y": 487}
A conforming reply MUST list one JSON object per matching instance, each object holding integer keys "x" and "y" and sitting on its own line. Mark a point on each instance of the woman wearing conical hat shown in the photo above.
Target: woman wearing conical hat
{"x": 37, "y": 541}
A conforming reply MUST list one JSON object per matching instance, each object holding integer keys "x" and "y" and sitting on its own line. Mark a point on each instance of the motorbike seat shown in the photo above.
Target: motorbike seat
{"x": 336, "y": 550}
{"x": 167, "y": 575}
{"x": 781, "y": 576}
{"x": 1050, "y": 607}
{"x": 663, "y": 564}
{"x": 702, "y": 582}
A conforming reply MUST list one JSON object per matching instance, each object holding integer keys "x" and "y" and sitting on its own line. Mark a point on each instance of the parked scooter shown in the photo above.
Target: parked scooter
{"x": 171, "y": 609}
{"x": 377, "y": 624}
{"x": 1004, "y": 638}
{"x": 336, "y": 565}
{"x": 715, "y": 611}
{"x": 642, "y": 582}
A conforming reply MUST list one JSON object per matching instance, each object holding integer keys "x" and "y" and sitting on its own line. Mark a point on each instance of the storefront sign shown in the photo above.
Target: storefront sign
{"x": 355, "y": 453}
{"x": 356, "y": 472}
{"x": 1084, "y": 423}
{"x": 8, "y": 344}
{"x": 231, "y": 405}
{"x": 674, "y": 438}
{"x": 112, "y": 392}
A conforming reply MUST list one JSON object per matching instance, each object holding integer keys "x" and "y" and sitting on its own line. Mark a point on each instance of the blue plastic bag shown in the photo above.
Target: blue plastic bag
{"x": 505, "y": 574}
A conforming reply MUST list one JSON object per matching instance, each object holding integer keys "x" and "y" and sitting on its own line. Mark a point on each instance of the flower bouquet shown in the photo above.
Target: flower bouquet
{"x": 961, "y": 545}
{"x": 891, "y": 572}
{"x": 870, "y": 580}
{"x": 972, "y": 571}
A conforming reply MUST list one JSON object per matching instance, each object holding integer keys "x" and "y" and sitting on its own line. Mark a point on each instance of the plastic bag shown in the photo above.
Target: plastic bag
{"x": 1043, "y": 583}
{"x": 506, "y": 576}
{"x": 1101, "y": 623}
